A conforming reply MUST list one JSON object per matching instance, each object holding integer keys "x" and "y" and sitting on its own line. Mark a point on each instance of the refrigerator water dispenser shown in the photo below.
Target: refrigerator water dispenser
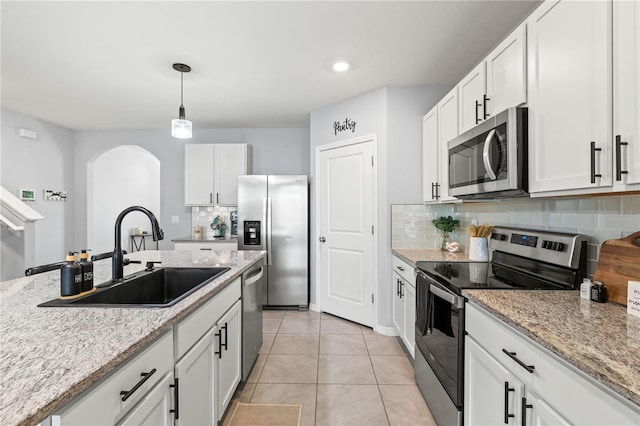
{"x": 252, "y": 233}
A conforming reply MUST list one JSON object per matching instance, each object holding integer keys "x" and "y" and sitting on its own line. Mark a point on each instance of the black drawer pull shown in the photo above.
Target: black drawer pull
{"x": 484, "y": 106}
{"x": 619, "y": 145}
{"x": 177, "y": 399}
{"x": 478, "y": 105}
{"x": 219, "y": 353}
{"x": 145, "y": 376}
{"x": 513, "y": 356}
{"x": 226, "y": 334}
{"x": 593, "y": 162}
{"x": 507, "y": 415}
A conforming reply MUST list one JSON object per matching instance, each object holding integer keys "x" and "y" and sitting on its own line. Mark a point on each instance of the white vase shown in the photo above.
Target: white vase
{"x": 478, "y": 249}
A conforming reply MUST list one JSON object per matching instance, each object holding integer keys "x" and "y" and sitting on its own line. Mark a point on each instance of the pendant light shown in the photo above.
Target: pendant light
{"x": 181, "y": 127}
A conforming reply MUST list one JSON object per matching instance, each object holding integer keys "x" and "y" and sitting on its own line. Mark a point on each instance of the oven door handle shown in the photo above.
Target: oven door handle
{"x": 443, "y": 294}
{"x": 485, "y": 154}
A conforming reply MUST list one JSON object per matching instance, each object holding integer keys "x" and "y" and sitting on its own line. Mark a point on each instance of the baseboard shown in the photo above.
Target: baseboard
{"x": 313, "y": 307}
{"x": 386, "y": 331}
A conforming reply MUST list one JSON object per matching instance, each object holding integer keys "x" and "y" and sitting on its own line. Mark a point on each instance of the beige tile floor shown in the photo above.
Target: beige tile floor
{"x": 340, "y": 372}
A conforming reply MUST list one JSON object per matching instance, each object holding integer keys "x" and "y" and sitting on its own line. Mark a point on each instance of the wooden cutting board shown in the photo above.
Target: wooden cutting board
{"x": 618, "y": 263}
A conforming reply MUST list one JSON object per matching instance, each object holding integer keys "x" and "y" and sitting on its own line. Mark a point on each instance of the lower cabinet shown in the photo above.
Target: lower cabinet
{"x": 155, "y": 408}
{"x": 229, "y": 356}
{"x": 510, "y": 379}
{"x": 404, "y": 303}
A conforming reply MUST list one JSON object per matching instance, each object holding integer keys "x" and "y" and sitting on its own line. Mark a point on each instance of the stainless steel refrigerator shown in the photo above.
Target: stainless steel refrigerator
{"x": 273, "y": 215}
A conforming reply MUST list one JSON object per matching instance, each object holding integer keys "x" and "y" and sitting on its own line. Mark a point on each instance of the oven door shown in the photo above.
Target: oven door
{"x": 440, "y": 334}
{"x": 489, "y": 158}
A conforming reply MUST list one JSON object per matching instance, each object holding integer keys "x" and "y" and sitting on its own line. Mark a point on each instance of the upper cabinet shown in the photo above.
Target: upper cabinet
{"x": 570, "y": 116}
{"x": 211, "y": 173}
{"x": 626, "y": 95}
{"x": 439, "y": 126}
{"x": 497, "y": 83}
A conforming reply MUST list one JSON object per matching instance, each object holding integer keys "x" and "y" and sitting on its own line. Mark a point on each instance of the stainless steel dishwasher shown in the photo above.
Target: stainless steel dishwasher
{"x": 252, "y": 288}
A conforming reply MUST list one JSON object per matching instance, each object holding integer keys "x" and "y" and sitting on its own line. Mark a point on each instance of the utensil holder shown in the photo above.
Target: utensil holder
{"x": 478, "y": 249}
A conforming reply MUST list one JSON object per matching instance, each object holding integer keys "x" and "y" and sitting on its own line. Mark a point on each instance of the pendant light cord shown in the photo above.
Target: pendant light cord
{"x": 181, "y": 88}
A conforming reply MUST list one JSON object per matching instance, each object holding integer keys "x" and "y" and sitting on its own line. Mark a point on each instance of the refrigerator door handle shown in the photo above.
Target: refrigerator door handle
{"x": 269, "y": 213}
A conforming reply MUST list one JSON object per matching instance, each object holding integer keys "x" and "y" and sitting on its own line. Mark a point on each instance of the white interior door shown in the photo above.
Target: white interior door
{"x": 345, "y": 230}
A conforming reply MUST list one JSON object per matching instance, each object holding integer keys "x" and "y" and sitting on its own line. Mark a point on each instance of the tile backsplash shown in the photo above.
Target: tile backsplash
{"x": 600, "y": 218}
{"x": 203, "y": 216}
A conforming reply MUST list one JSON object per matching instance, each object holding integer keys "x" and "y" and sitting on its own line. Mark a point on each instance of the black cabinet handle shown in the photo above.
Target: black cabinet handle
{"x": 513, "y": 356}
{"x": 219, "y": 353}
{"x": 619, "y": 145}
{"x": 226, "y": 334}
{"x": 397, "y": 287}
{"x": 400, "y": 268}
{"x": 217, "y": 197}
{"x": 593, "y": 162}
{"x": 211, "y": 198}
{"x": 437, "y": 191}
{"x": 145, "y": 376}
{"x": 507, "y": 415}
{"x": 433, "y": 194}
{"x": 478, "y": 105}
{"x": 176, "y": 397}
{"x": 524, "y": 410}
{"x": 401, "y": 288}
{"x": 485, "y": 99}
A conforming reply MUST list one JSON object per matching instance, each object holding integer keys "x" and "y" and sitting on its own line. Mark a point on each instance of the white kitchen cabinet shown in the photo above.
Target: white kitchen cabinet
{"x": 196, "y": 380}
{"x": 103, "y": 404}
{"x": 155, "y": 408}
{"x": 550, "y": 390}
{"x": 404, "y": 303}
{"x": 626, "y": 95}
{"x": 507, "y": 73}
{"x": 430, "y": 157}
{"x": 447, "y": 130}
{"x": 472, "y": 91}
{"x": 211, "y": 173}
{"x": 486, "y": 382}
{"x": 569, "y": 93}
{"x": 228, "y": 356}
{"x": 439, "y": 126}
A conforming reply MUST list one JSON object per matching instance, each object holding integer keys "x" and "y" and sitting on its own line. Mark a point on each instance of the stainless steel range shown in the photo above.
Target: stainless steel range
{"x": 522, "y": 259}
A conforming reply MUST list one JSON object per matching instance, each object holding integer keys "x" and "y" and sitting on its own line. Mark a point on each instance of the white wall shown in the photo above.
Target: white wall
{"x": 44, "y": 163}
{"x": 136, "y": 183}
{"x": 282, "y": 151}
{"x": 394, "y": 115}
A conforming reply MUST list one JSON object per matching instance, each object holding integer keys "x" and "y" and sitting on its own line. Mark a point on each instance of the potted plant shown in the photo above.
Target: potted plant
{"x": 445, "y": 225}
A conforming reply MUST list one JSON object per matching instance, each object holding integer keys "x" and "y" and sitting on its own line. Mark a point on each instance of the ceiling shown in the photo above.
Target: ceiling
{"x": 108, "y": 65}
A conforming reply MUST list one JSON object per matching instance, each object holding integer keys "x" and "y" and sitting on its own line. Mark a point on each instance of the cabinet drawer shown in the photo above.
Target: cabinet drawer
{"x": 191, "y": 329}
{"x": 573, "y": 394}
{"x": 102, "y": 404}
{"x": 404, "y": 269}
{"x": 217, "y": 245}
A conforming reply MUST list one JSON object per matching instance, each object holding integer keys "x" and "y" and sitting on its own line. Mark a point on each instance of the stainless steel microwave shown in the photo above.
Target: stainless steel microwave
{"x": 490, "y": 160}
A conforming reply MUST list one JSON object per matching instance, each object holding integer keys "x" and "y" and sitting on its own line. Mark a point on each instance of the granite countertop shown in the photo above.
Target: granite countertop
{"x": 48, "y": 356}
{"x": 600, "y": 339}
{"x": 205, "y": 240}
{"x": 411, "y": 256}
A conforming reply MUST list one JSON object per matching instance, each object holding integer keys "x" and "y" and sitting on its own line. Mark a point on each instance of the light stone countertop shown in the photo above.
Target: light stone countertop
{"x": 600, "y": 339}
{"x": 411, "y": 256}
{"x": 48, "y": 356}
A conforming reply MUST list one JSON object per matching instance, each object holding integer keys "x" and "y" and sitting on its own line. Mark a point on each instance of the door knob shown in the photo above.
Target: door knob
{"x": 323, "y": 239}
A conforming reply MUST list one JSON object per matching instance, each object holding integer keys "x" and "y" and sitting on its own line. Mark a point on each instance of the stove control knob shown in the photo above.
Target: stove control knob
{"x": 560, "y": 247}
{"x": 546, "y": 244}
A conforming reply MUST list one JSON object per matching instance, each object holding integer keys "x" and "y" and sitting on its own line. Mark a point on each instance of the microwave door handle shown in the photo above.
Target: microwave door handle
{"x": 485, "y": 154}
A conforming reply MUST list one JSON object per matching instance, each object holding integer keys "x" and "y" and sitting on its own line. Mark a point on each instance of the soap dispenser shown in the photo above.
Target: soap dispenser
{"x": 70, "y": 276}
{"x": 87, "y": 271}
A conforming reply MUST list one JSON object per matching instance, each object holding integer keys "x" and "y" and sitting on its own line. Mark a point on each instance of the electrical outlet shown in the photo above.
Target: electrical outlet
{"x": 175, "y": 219}
{"x": 474, "y": 222}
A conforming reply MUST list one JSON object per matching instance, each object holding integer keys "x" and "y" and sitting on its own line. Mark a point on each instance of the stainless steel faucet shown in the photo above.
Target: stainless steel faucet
{"x": 117, "y": 266}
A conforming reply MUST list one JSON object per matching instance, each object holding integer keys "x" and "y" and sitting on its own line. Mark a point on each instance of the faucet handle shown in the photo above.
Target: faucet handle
{"x": 125, "y": 262}
{"x": 149, "y": 266}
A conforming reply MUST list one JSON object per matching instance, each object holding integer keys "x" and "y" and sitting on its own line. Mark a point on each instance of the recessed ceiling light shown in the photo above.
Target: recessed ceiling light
{"x": 340, "y": 66}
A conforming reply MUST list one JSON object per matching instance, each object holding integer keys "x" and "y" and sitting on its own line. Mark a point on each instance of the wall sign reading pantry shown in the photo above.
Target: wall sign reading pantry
{"x": 343, "y": 126}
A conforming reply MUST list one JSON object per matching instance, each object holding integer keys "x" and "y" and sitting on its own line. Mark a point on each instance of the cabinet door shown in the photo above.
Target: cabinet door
{"x": 196, "y": 383}
{"x": 471, "y": 92}
{"x": 569, "y": 65}
{"x": 492, "y": 394}
{"x": 230, "y": 161}
{"x": 430, "y": 158}
{"x": 447, "y": 130}
{"x": 397, "y": 303}
{"x": 506, "y": 73}
{"x": 626, "y": 93}
{"x": 198, "y": 174}
{"x": 409, "y": 317}
{"x": 155, "y": 408}
{"x": 228, "y": 356}
{"x": 538, "y": 412}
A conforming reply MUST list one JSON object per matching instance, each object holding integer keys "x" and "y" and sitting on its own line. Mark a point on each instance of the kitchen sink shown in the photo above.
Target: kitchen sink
{"x": 159, "y": 288}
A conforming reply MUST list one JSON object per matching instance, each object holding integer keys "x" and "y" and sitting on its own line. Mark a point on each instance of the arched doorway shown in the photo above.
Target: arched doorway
{"x": 124, "y": 176}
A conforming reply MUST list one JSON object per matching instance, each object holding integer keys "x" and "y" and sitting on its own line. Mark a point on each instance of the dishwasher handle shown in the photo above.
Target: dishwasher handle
{"x": 255, "y": 277}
